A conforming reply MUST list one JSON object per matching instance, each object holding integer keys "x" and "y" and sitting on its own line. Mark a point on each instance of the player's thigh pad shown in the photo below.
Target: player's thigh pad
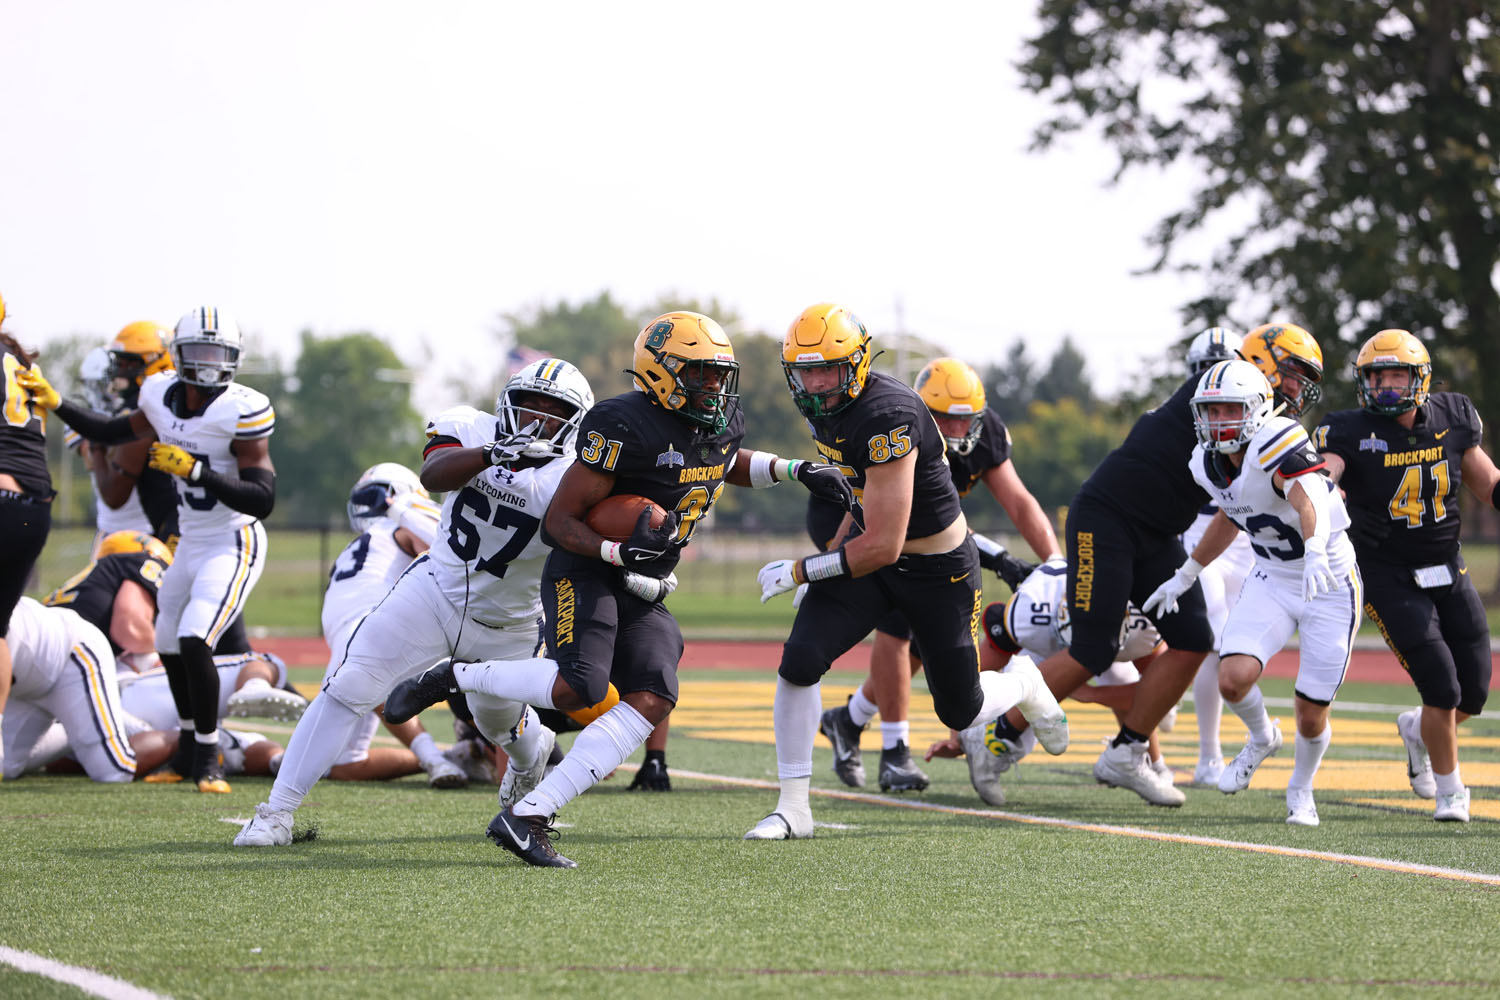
{"x": 583, "y": 617}
{"x": 942, "y": 596}
{"x": 1101, "y": 557}
{"x": 408, "y": 631}
{"x": 1408, "y": 620}
{"x": 226, "y": 568}
{"x": 1260, "y": 623}
{"x": 648, "y": 648}
{"x": 1325, "y": 630}
{"x": 835, "y": 615}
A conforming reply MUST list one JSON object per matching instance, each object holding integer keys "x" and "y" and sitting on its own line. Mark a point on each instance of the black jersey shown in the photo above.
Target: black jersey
{"x": 1402, "y": 485}
{"x": 888, "y": 421}
{"x": 23, "y": 437}
{"x": 91, "y": 592}
{"x": 654, "y": 453}
{"x": 992, "y": 449}
{"x": 1147, "y": 477}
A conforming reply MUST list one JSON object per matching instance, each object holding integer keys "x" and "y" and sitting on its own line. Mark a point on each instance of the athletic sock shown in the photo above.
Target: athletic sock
{"x": 1128, "y": 735}
{"x": 862, "y": 709}
{"x": 892, "y": 733}
{"x": 322, "y": 732}
{"x": 1002, "y": 692}
{"x": 528, "y": 741}
{"x": 528, "y": 681}
{"x": 1251, "y": 710}
{"x": 603, "y": 746}
{"x": 1448, "y": 784}
{"x": 1307, "y": 755}
{"x": 1208, "y": 706}
{"x": 795, "y": 717}
{"x": 426, "y": 749}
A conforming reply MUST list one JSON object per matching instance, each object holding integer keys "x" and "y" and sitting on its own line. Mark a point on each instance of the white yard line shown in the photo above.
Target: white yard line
{"x": 93, "y": 983}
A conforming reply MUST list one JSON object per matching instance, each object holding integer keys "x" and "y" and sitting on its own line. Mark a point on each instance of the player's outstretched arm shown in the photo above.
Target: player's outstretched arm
{"x": 1481, "y": 476}
{"x": 760, "y": 469}
{"x": 1023, "y": 509}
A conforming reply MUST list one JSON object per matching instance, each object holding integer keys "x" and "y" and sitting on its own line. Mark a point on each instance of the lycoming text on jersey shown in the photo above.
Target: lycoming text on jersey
{"x": 504, "y": 496}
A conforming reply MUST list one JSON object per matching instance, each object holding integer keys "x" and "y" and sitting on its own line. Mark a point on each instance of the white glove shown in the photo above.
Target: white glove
{"x": 649, "y": 588}
{"x": 776, "y": 578}
{"x": 1317, "y": 574}
{"x": 797, "y": 597}
{"x": 1164, "y": 598}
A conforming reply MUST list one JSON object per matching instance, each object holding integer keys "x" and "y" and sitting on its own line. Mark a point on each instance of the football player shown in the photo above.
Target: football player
{"x": 1221, "y": 579}
{"x": 675, "y": 439}
{"x": 1263, "y": 473}
{"x": 1400, "y": 458}
{"x": 25, "y": 486}
{"x": 978, "y": 447}
{"x": 212, "y": 434}
{"x": 473, "y": 595}
{"x": 95, "y": 383}
{"x": 116, "y": 593}
{"x": 395, "y": 521}
{"x": 914, "y": 553}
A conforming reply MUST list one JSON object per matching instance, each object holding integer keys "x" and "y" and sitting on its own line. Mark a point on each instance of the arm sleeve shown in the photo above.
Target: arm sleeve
{"x": 96, "y": 426}
{"x": 253, "y": 492}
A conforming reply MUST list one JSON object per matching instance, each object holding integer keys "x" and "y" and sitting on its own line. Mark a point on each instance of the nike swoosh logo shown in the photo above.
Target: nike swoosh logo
{"x": 1439, "y": 435}
{"x": 523, "y": 844}
{"x": 838, "y": 440}
{"x": 958, "y": 579}
{"x": 725, "y": 450}
{"x": 1463, "y": 571}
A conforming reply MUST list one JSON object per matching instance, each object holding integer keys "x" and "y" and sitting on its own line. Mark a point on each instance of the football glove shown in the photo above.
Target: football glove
{"x": 825, "y": 482}
{"x": 370, "y": 500}
{"x": 1007, "y": 567}
{"x": 652, "y": 776}
{"x": 649, "y": 588}
{"x": 34, "y": 382}
{"x": 645, "y": 544}
{"x": 173, "y": 460}
{"x": 777, "y": 578}
{"x": 1163, "y": 599}
{"x": 1317, "y": 575}
{"x": 798, "y": 595}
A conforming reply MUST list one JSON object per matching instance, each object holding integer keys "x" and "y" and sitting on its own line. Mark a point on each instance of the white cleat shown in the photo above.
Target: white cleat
{"x": 1452, "y": 808}
{"x": 266, "y": 703}
{"x": 1206, "y": 774}
{"x": 518, "y": 783}
{"x": 472, "y": 758}
{"x": 443, "y": 774}
{"x": 1301, "y": 810}
{"x": 267, "y": 828}
{"x": 984, "y": 766}
{"x": 1418, "y": 764}
{"x": 778, "y": 826}
{"x": 1040, "y": 708}
{"x": 1164, "y": 770}
{"x": 1129, "y": 766}
{"x": 1168, "y": 721}
{"x": 1236, "y": 777}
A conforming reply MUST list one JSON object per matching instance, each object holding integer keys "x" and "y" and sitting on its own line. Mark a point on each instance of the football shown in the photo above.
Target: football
{"x": 614, "y": 517}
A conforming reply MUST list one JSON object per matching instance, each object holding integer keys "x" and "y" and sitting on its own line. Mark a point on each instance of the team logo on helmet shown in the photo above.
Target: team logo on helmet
{"x": 1291, "y": 361}
{"x": 684, "y": 362}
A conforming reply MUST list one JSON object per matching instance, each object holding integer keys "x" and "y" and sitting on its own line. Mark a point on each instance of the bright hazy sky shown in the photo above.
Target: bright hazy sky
{"x": 419, "y": 169}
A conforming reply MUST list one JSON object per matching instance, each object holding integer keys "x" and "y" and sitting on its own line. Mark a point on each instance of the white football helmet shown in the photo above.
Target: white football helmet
{"x": 1215, "y": 344}
{"x": 548, "y": 377}
{"x": 366, "y": 507}
{"x": 1231, "y": 382}
{"x": 206, "y": 348}
{"x": 94, "y": 380}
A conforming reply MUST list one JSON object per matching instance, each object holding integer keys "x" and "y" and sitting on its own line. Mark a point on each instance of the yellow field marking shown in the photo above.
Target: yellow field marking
{"x": 1361, "y": 861}
{"x": 1482, "y": 808}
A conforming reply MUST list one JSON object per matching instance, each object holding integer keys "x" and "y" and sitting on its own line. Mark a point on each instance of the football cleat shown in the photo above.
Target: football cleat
{"x": 266, "y": 702}
{"x": 1129, "y": 766}
{"x": 528, "y": 838}
{"x": 177, "y": 768}
{"x": 1301, "y": 810}
{"x": 984, "y": 765}
{"x": 208, "y": 769}
{"x": 1206, "y": 774}
{"x": 1452, "y": 808}
{"x": 411, "y": 698}
{"x": 778, "y": 826}
{"x": 267, "y": 828}
{"x": 1040, "y": 707}
{"x": 1236, "y": 777}
{"x": 841, "y": 731}
{"x": 445, "y": 775}
{"x": 473, "y": 759}
{"x": 517, "y": 783}
{"x": 1163, "y": 770}
{"x": 898, "y": 773}
{"x": 1418, "y": 764}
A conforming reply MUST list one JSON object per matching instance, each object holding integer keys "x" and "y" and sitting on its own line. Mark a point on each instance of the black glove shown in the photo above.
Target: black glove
{"x": 1007, "y": 567}
{"x": 647, "y": 544}
{"x": 826, "y": 482}
{"x": 370, "y": 500}
{"x": 652, "y": 776}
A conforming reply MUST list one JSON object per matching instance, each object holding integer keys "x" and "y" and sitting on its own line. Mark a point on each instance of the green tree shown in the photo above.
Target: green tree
{"x": 1066, "y": 377}
{"x": 1010, "y": 386}
{"x": 1355, "y": 143}
{"x": 348, "y": 401}
{"x": 1059, "y": 444}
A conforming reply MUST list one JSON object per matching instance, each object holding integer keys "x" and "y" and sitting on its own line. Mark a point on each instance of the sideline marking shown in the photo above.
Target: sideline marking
{"x": 91, "y": 982}
{"x": 1358, "y": 860}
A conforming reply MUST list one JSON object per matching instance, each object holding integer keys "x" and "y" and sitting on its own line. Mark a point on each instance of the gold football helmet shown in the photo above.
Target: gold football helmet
{"x": 118, "y": 542}
{"x": 684, "y": 361}
{"x": 955, "y": 395}
{"x": 826, "y": 336}
{"x": 2, "y": 309}
{"x": 139, "y": 350}
{"x": 1392, "y": 349}
{"x": 1291, "y": 361}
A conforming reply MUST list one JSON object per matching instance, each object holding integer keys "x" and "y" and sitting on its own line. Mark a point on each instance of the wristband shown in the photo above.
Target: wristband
{"x": 196, "y": 472}
{"x": 1191, "y": 568}
{"x": 761, "y": 475}
{"x": 610, "y": 552}
{"x": 823, "y": 566}
{"x": 785, "y": 468}
{"x": 988, "y": 546}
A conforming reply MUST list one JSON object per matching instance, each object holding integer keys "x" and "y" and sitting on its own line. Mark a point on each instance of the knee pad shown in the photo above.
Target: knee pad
{"x": 803, "y": 663}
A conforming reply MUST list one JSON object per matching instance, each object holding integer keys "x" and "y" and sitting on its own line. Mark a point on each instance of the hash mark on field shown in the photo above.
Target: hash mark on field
{"x": 1357, "y": 860}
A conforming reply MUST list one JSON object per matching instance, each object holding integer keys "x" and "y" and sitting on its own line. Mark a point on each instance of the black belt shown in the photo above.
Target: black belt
{"x": 23, "y": 497}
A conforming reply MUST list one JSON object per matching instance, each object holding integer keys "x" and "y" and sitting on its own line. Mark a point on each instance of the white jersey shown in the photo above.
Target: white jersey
{"x": 129, "y": 516}
{"x": 40, "y": 639}
{"x": 1235, "y": 562}
{"x": 362, "y": 574}
{"x": 1036, "y": 617}
{"x": 1252, "y": 502}
{"x": 489, "y": 551}
{"x": 239, "y": 413}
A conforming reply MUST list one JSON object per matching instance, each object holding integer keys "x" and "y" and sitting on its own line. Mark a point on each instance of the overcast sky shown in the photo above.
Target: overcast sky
{"x": 419, "y": 169}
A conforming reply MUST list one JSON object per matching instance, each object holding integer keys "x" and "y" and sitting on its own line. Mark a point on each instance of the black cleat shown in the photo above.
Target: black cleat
{"x": 208, "y": 769}
{"x": 528, "y": 838}
{"x": 898, "y": 773}
{"x": 179, "y": 767}
{"x": 844, "y": 735}
{"x": 409, "y": 699}
{"x": 652, "y": 776}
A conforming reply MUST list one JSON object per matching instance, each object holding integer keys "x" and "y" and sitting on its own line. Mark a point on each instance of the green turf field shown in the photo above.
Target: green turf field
{"x": 401, "y": 895}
